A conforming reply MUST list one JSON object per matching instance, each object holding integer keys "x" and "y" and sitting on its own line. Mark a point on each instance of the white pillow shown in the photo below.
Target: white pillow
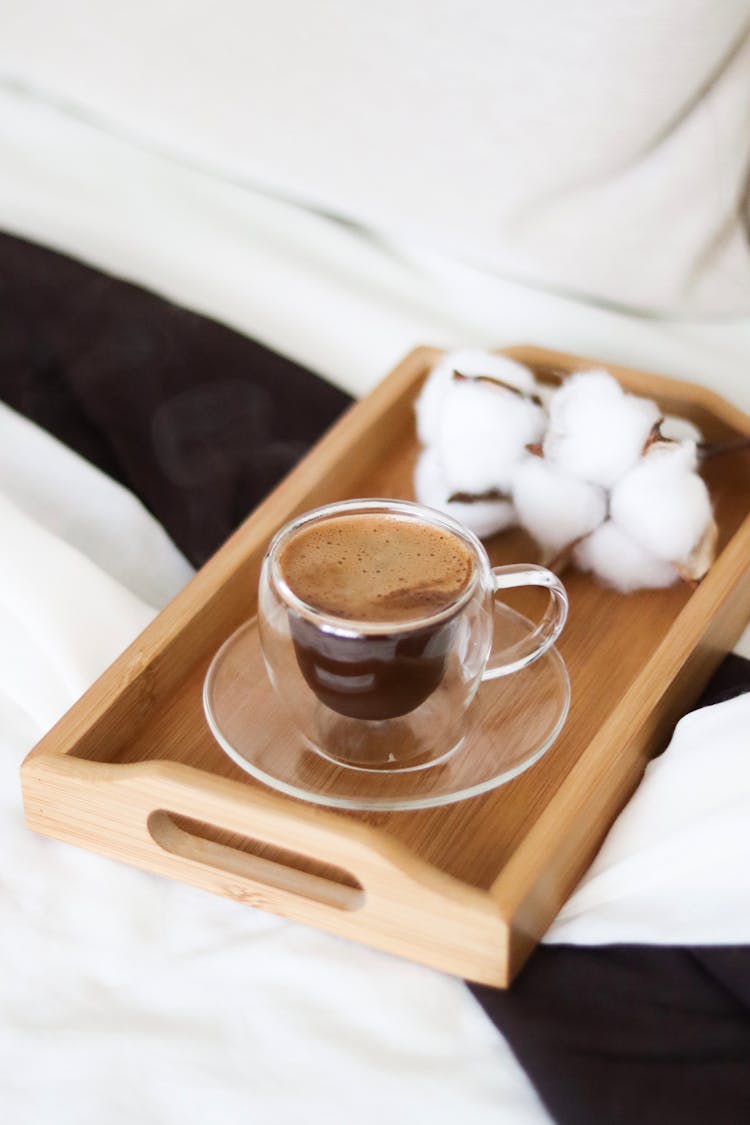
{"x": 601, "y": 149}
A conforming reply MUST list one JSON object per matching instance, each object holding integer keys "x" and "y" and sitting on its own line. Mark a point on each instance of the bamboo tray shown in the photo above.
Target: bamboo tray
{"x": 133, "y": 772}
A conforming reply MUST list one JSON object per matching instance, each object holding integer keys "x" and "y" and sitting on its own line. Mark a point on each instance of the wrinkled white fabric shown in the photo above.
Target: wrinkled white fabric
{"x": 86, "y": 509}
{"x": 599, "y": 148}
{"x": 62, "y": 618}
{"x": 674, "y": 868}
{"x": 340, "y": 301}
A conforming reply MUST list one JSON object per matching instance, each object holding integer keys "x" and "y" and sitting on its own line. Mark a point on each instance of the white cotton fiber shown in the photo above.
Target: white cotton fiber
{"x": 467, "y": 361}
{"x": 556, "y": 509}
{"x": 614, "y": 558}
{"x": 483, "y": 434}
{"x": 662, "y": 503}
{"x": 484, "y": 517}
{"x": 679, "y": 429}
{"x": 596, "y": 431}
{"x": 636, "y": 512}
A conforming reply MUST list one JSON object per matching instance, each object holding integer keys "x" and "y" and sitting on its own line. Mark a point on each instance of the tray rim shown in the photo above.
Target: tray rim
{"x": 164, "y": 628}
{"x": 53, "y": 759}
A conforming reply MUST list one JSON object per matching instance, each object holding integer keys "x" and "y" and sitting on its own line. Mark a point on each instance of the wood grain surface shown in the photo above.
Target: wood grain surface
{"x": 132, "y": 770}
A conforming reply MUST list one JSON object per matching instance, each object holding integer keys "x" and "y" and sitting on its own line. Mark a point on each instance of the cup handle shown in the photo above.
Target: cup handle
{"x": 526, "y": 651}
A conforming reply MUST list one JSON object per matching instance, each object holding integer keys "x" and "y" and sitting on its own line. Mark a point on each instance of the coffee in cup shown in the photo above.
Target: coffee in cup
{"x": 395, "y": 586}
{"x": 376, "y": 621}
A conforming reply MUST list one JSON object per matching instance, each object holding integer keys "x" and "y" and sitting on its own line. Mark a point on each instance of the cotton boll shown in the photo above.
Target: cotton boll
{"x": 556, "y": 509}
{"x": 618, "y": 561}
{"x": 596, "y": 431}
{"x": 467, "y": 361}
{"x": 484, "y": 517}
{"x": 662, "y": 503}
{"x": 679, "y": 429}
{"x": 430, "y": 400}
{"x": 483, "y": 433}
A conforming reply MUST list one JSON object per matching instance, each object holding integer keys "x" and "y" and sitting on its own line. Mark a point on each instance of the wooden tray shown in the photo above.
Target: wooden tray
{"x": 133, "y": 772}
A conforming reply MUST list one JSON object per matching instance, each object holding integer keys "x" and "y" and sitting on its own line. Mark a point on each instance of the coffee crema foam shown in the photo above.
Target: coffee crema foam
{"x": 379, "y": 568}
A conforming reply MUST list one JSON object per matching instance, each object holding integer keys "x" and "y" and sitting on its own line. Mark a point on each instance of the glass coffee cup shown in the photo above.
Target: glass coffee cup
{"x": 376, "y": 625}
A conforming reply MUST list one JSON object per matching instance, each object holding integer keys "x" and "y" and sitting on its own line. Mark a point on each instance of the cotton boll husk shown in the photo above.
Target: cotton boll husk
{"x": 474, "y": 361}
{"x": 596, "y": 431}
{"x": 556, "y": 509}
{"x": 618, "y": 561}
{"x": 702, "y": 557}
{"x": 545, "y": 393}
{"x": 467, "y": 361}
{"x": 679, "y": 429}
{"x": 662, "y": 503}
{"x": 484, "y": 518}
{"x": 483, "y": 434}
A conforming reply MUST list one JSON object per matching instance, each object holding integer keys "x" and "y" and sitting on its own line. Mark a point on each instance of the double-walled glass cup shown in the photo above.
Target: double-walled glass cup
{"x": 380, "y": 695}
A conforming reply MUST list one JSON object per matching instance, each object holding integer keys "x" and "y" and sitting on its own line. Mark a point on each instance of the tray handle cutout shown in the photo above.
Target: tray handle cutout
{"x": 269, "y": 852}
{"x": 280, "y": 869}
{"x": 266, "y": 851}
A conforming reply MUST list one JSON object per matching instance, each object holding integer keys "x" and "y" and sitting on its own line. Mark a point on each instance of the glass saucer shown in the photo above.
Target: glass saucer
{"x": 512, "y": 722}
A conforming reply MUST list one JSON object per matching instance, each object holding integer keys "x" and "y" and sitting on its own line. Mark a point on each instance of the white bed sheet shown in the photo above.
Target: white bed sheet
{"x": 126, "y": 996}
